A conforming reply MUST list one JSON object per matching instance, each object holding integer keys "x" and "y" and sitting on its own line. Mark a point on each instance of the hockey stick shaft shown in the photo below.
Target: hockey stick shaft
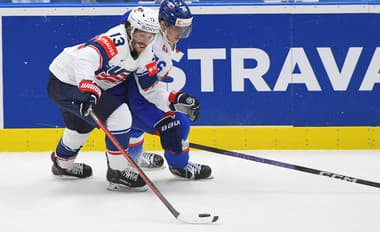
{"x": 285, "y": 165}
{"x": 135, "y": 166}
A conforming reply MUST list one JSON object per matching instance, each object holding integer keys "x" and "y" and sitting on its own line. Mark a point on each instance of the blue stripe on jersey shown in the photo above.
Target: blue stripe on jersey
{"x": 101, "y": 51}
{"x": 141, "y": 74}
{"x": 146, "y": 81}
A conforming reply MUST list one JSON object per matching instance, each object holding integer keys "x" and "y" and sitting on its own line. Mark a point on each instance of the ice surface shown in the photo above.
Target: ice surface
{"x": 246, "y": 195}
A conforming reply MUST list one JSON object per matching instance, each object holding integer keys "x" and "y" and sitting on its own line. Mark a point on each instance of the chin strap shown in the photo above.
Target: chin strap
{"x": 130, "y": 43}
{"x": 172, "y": 45}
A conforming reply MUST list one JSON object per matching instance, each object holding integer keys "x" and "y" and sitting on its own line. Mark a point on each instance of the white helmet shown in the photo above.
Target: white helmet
{"x": 144, "y": 19}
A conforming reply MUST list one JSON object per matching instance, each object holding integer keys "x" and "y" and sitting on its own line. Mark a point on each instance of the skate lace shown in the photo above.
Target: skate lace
{"x": 147, "y": 158}
{"x": 194, "y": 168}
{"x": 129, "y": 174}
{"x": 77, "y": 169}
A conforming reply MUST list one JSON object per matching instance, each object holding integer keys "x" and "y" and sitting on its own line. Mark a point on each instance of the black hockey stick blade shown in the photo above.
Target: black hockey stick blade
{"x": 285, "y": 165}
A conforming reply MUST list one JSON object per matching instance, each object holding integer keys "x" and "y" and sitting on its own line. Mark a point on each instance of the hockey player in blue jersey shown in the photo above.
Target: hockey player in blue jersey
{"x": 171, "y": 117}
{"x": 79, "y": 76}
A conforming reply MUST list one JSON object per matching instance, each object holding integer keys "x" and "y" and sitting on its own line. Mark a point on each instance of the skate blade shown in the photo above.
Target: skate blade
{"x": 123, "y": 188}
{"x": 66, "y": 177}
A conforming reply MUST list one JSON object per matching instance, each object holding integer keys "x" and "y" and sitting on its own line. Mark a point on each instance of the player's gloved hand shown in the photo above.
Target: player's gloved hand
{"x": 90, "y": 96}
{"x": 185, "y": 103}
{"x": 169, "y": 128}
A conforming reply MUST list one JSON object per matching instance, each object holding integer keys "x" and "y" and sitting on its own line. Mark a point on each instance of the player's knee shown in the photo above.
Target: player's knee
{"x": 120, "y": 119}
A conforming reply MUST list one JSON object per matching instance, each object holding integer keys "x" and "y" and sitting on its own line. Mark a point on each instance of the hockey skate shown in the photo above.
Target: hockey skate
{"x": 126, "y": 180}
{"x": 79, "y": 170}
{"x": 150, "y": 161}
{"x": 192, "y": 171}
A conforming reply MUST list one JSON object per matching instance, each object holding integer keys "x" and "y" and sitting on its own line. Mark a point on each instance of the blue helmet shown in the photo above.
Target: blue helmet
{"x": 176, "y": 13}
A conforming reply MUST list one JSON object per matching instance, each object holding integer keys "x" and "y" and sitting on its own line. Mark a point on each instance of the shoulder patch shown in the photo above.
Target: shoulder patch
{"x": 108, "y": 46}
{"x": 152, "y": 68}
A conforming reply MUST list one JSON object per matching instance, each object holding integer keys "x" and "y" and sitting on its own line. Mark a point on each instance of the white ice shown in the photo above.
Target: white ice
{"x": 246, "y": 195}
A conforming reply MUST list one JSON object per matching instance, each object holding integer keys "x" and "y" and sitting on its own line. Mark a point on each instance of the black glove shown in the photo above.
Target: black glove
{"x": 185, "y": 103}
{"x": 170, "y": 132}
{"x": 90, "y": 96}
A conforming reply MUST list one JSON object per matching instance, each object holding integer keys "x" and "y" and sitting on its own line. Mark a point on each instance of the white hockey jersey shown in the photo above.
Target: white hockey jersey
{"x": 106, "y": 60}
{"x": 163, "y": 54}
{"x": 158, "y": 90}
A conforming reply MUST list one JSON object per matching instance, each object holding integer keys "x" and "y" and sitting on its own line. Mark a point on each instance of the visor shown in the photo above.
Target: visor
{"x": 181, "y": 32}
{"x": 182, "y": 27}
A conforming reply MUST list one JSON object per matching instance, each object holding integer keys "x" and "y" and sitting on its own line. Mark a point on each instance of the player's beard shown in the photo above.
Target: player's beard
{"x": 139, "y": 47}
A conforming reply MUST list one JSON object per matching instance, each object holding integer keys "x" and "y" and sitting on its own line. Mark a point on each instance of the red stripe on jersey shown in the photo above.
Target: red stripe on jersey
{"x": 108, "y": 46}
{"x": 99, "y": 55}
{"x": 151, "y": 87}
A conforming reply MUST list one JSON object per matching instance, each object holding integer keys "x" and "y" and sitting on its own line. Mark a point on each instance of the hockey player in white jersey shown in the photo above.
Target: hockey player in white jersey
{"x": 175, "y": 108}
{"x": 79, "y": 76}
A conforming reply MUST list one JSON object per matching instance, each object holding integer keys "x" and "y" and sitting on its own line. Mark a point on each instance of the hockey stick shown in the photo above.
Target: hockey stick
{"x": 201, "y": 218}
{"x": 285, "y": 165}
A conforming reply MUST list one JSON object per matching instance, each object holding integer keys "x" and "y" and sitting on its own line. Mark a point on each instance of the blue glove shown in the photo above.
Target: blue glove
{"x": 185, "y": 103}
{"x": 170, "y": 132}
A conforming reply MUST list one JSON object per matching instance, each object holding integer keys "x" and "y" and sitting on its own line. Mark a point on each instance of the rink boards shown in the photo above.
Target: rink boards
{"x": 267, "y": 76}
